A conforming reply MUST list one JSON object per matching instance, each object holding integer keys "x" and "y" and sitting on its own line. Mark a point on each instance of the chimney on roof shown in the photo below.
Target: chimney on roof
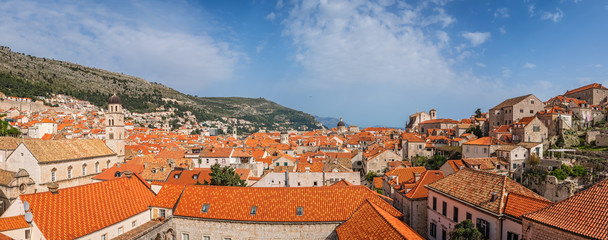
{"x": 53, "y": 187}
{"x": 416, "y": 177}
{"x": 287, "y": 178}
{"x": 128, "y": 174}
{"x": 494, "y": 197}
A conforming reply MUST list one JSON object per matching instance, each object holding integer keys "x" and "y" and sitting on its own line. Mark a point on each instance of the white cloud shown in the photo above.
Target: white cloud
{"x": 529, "y": 65}
{"x": 476, "y": 38}
{"x": 555, "y": 17}
{"x": 271, "y": 16}
{"x": 279, "y": 4}
{"x": 502, "y": 13}
{"x": 480, "y": 64}
{"x": 502, "y": 30}
{"x": 598, "y": 65}
{"x": 92, "y": 35}
{"x": 531, "y": 10}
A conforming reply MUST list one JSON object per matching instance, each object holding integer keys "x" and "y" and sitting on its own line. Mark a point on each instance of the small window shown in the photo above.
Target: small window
{"x": 206, "y": 238}
{"x": 185, "y": 236}
{"x": 278, "y": 164}
{"x": 521, "y": 111}
{"x": 70, "y": 172}
{"x": 435, "y": 203}
{"x": 531, "y": 111}
{"x": 28, "y": 234}
{"x": 104, "y": 237}
{"x": 120, "y": 230}
{"x": 205, "y": 208}
{"x": 300, "y": 211}
{"x": 285, "y": 163}
{"x": 531, "y": 101}
{"x": 84, "y": 170}
{"x": 444, "y": 210}
{"x": 433, "y": 230}
{"x": 162, "y": 213}
{"x": 254, "y": 210}
{"x": 455, "y": 213}
{"x": 469, "y": 217}
{"x": 134, "y": 223}
{"x": 176, "y": 176}
{"x": 315, "y": 183}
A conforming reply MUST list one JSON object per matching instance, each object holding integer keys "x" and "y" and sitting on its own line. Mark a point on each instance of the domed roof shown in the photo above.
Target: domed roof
{"x": 341, "y": 123}
{"x": 114, "y": 100}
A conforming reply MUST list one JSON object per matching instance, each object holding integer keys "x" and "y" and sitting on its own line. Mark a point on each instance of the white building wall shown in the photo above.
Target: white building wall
{"x": 447, "y": 223}
{"x": 307, "y": 179}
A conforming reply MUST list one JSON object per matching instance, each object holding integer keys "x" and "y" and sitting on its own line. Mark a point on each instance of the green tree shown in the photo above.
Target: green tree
{"x": 533, "y": 160}
{"x": 476, "y": 130}
{"x": 578, "y": 171}
{"x": 567, "y": 169}
{"x": 436, "y": 162}
{"x": 559, "y": 174}
{"x": 224, "y": 176}
{"x": 7, "y": 130}
{"x": 465, "y": 230}
{"x": 370, "y": 176}
{"x": 478, "y": 113}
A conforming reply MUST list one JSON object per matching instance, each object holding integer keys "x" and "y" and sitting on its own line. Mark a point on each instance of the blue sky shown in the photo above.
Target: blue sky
{"x": 371, "y": 62}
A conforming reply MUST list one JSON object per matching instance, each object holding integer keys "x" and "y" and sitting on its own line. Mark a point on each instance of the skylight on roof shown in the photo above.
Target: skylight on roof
{"x": 300, "y": 211}
{"x": 205, "y": 208}
{"x": 254, "y": 210}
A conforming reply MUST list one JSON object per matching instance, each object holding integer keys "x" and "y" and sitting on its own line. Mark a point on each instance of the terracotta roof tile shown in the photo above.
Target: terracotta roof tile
{"x": 167, "y": 196}
{"x": 584, "y": 213}
{"x": 371, "y": 222}
{"x": 583, "y": 88}
{"x": 476, "y": 187}
{"x": 78, "y": 211}
{"x": 12, "y": 223}
{"x": 320, "y": 204}
{"x": 67, "y": 149}
{"x": 6, "y": 177}
{"x": 419, "y": 190}
{"x": 518, "y": 205}
{"x": 405, "y": 174}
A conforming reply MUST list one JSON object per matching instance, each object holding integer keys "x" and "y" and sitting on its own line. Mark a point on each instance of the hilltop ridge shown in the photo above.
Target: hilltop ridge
{"x": 24, "y": 75}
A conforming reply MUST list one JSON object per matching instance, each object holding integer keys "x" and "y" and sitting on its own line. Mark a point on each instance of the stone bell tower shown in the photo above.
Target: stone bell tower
{"x": 115, "y": 127}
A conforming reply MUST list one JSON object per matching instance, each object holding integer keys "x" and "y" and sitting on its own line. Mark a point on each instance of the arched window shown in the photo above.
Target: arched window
{"x": 53, "y": 174}
{"x": 96, "y": 167}
{"x": 69, "y": 172}
{"x": 84, "y": 169}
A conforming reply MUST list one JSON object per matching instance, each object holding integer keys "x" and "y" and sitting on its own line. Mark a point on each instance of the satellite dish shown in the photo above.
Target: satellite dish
{"x": 26, "y": 206}
{"x": 29, "y": 217}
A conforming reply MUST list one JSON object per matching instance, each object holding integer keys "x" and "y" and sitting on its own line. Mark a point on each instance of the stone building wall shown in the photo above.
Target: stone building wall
{"x": 534, "y": 230}
{"x": 219, "y": 229}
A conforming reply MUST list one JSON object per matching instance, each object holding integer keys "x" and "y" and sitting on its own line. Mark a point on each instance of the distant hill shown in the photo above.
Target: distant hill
{"x": 28, "y": 76}
{"x": 329, "y": 122}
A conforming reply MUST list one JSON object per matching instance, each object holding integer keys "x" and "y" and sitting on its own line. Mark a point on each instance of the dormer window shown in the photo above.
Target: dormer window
{"x": 205, "y": 208}
{"x": 176, "y": 176}
{"x": 195, "y": 177}
{"x": 254, "y": 210}
{"x": 300, "y": 211}
{"x": 117, "y": 174}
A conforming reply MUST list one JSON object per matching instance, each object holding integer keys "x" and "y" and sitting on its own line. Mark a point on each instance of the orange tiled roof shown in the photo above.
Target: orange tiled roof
{"x": 378, "y": 182}
{"x": 485, "y": 141}
{"x": 342, "y": 183}
{"x": 371, "y": 222}
{"x": 69, "y": 149}
{"x": 110, "y": 173}
{"x": 518, "y": 205}
{"x": 12, "y": 223}
{"x": 405, "y": 174}
{"x": 4, "y": 237}
{"x": 584, "y": 213}
{"x": 320, "y": 204}
{"x": 78, "y": 211}
{"x": 168, "y": 196}
{"x": 419, "y": 190}
{"x": 583, "y": 88}
{"x": 476, "y": 188}
{"x": 445, "y": 120}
